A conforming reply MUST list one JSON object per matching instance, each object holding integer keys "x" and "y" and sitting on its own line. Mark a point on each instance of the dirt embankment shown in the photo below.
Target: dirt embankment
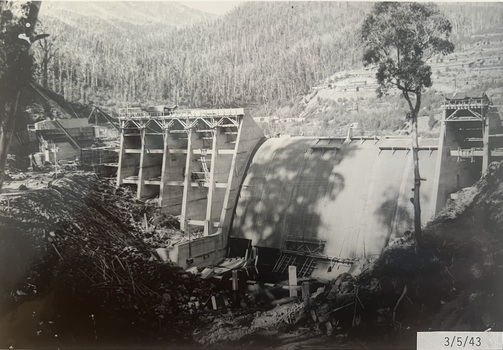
{"x": 78, "y": 267}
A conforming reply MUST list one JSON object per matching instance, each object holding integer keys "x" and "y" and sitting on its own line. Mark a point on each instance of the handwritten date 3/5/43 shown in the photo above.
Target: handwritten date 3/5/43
{"x": 459, "y": 340}
{"x": 462, "y": 341}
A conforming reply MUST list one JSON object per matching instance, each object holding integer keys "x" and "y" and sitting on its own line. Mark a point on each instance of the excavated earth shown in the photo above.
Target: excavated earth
{"x": 78, "y": 268}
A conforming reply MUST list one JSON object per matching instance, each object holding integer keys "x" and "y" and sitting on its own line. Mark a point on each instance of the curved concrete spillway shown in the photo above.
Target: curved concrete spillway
{"x": 341, "y": 198}
{"x": 322, "y": 201}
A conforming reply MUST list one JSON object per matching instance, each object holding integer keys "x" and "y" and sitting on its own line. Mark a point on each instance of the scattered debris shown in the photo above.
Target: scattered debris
{"x": 85, "y": 247}
{"x": 82, "y": 246}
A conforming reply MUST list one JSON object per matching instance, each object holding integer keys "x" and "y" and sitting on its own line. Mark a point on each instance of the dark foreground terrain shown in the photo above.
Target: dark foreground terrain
{"x": 78, "y": 268}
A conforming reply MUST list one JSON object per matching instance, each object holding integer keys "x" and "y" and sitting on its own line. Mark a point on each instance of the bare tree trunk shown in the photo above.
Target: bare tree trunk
{"x": 8, "y": 108}
{"x": 417, "y": 181}
{"x": 416, "y": 201}
{"x": 47, "y": 55}
{"x": 10, "y": 90}
{"x": 45, "y": 78}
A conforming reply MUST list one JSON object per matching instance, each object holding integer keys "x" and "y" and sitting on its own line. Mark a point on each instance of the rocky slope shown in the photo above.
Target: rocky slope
{"x": 349, "y": 96}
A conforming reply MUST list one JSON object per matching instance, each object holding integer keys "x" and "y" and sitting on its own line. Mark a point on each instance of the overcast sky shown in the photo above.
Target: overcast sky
{"x": 216, "y": 7}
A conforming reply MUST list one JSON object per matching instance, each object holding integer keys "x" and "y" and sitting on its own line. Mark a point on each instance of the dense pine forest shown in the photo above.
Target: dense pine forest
{"x": 261, "y": 53}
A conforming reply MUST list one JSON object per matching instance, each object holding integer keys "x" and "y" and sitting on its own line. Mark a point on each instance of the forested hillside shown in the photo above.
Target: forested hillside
{"x": 260, "y": 54}
{"x": 349, "y": 98}
{"x": 123, "y": 15}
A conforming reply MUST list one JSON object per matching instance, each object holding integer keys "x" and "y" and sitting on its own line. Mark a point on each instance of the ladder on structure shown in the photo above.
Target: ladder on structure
{"x": 205, "y": 169}
{"x": 283, "y": 262}
{"x": 307, "y": 267}
{"x": 203, "y": 176}
{"x": 305, "y": 264}
{"x": 204, "y": 165}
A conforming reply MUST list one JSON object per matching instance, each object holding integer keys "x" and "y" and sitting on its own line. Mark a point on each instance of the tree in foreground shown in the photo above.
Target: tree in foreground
{"x": 399, "y": 39}
{"x": 17, "y": 20}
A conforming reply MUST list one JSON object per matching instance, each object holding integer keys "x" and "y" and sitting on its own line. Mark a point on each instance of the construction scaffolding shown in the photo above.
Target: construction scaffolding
{"x": 190, "y": 161}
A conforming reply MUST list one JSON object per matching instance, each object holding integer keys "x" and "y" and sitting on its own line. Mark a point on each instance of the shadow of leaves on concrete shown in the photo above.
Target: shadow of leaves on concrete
{"x": 285, "y": 192}
{"x": 394, "y": 215}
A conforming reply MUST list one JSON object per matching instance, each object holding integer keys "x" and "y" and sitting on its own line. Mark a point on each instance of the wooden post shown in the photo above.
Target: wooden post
{"x": 235, "y": 280}
{"x": 55, "y": 151}
{"x": 292, "y": 280}
{"x": 305, "y": 291}
{"x": 235, "y": 287}
{"x": 485, "y": 135}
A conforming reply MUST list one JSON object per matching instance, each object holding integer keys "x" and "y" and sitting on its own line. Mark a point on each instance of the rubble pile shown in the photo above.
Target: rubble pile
{"x": 78, "y": 266}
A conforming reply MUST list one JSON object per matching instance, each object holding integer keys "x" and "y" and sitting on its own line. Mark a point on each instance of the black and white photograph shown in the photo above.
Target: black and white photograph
{"x": 250, "y": 175}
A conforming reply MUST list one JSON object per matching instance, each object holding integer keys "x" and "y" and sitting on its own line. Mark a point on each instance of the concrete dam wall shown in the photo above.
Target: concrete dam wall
{"x": 338, "y": 198}
{"x": 316, "y": 203}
